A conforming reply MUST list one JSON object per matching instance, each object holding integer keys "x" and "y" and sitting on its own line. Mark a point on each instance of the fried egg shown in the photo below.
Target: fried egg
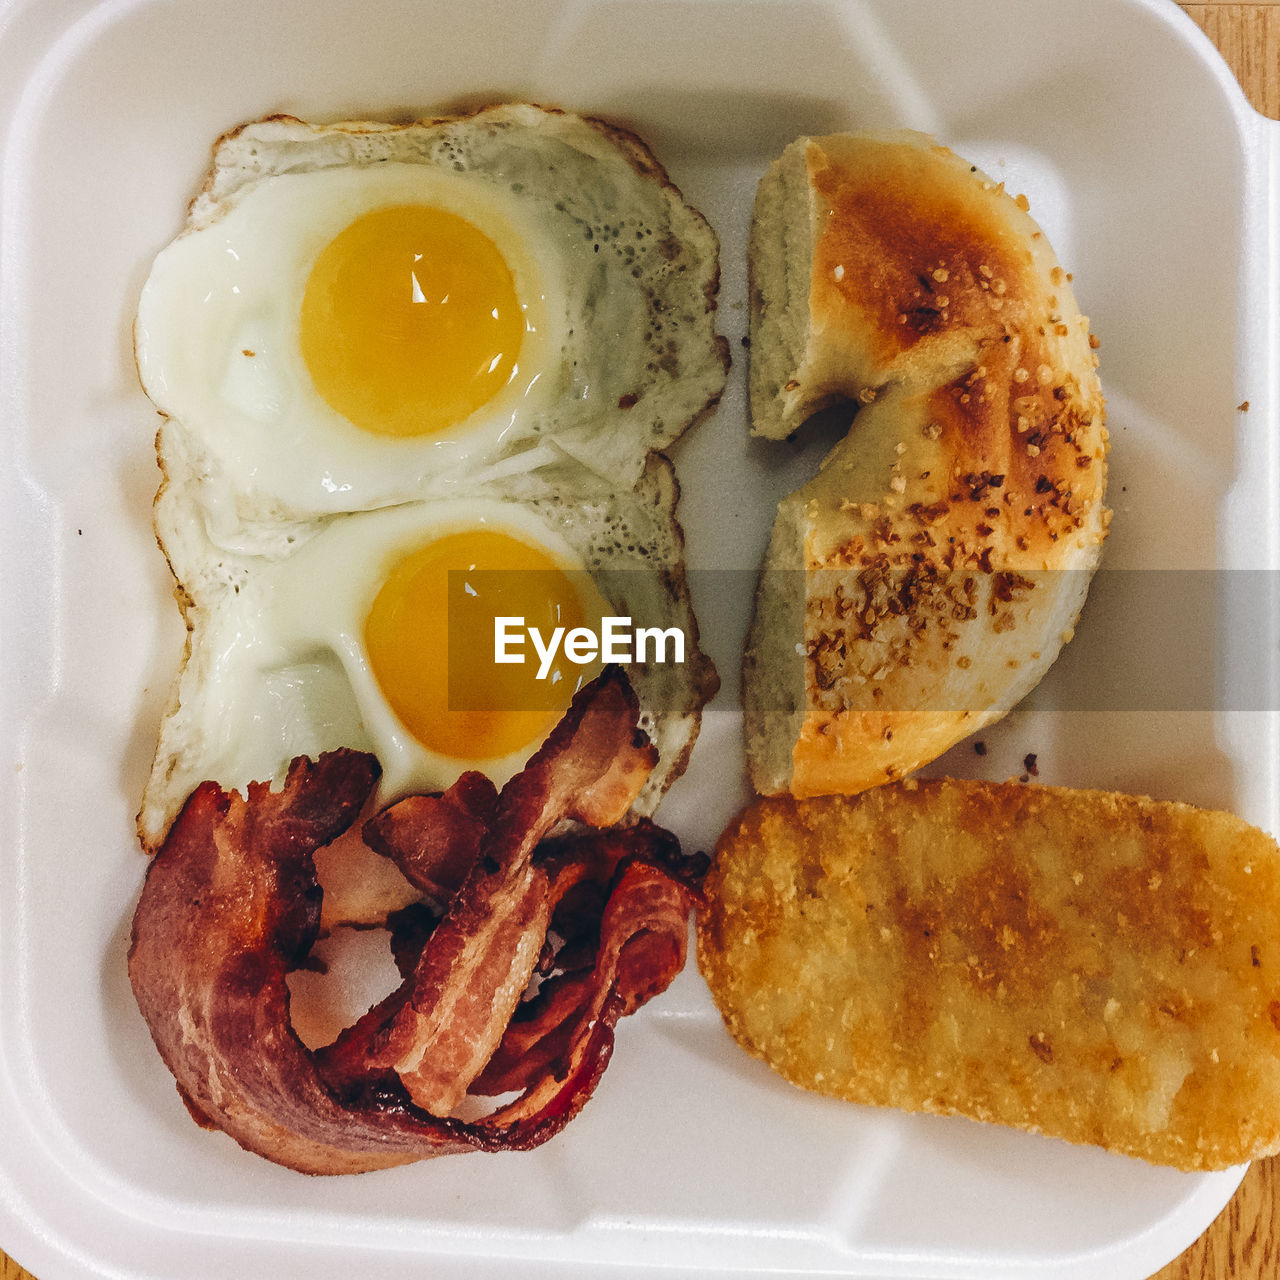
{"x": 387, "y": 354}
{"x": 375, "y": 631}
{"x": 405, "y": 600}
{"x": 359, "y": 315}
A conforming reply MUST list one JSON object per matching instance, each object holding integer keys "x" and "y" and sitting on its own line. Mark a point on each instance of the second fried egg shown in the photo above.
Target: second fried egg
{"x": 376, "y": 631}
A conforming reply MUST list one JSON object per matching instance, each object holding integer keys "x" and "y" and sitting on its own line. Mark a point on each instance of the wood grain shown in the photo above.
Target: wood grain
{"x": 9, "y": 1270}
{"x": 1244, "y": 1242}
{"x": 1249, "y": 37}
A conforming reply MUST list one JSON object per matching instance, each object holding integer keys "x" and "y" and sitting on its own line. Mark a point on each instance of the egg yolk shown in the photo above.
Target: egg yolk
{"x": 410, "y": 321}
{"x": 425, "y": 632}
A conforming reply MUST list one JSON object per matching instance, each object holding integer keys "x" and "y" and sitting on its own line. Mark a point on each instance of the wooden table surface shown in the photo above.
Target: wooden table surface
{"x": 1244, "y": 1242}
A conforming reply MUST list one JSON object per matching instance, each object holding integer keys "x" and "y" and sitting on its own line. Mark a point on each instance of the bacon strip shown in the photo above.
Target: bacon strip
{"x": 435, "y": 840}
{"x": 437, "y": 1031}
{"x": 441, "y": 1025}
{"x": 641, "y": 947}
{"x": 591, "y": 767}
{"x": 231, "y": 905}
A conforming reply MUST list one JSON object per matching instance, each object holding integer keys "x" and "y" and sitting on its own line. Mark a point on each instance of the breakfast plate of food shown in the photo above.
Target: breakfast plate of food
{"x": 640, "y": 637}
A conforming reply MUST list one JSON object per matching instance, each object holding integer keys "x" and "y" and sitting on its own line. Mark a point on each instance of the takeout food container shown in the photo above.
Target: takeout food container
{"x": 1157, "y": 185}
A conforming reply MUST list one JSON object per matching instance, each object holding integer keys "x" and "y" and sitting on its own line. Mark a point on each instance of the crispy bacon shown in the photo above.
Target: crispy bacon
{"x": 591, "y": 767}
{"x": 441, "y": 1025}
{"x": 231, "y": 905}
{"x": 636, "y": 940}
{"x": 435, "y": 840}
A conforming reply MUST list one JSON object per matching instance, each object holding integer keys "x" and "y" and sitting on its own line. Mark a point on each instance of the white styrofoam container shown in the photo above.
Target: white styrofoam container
{"x": 1159, "y": 187}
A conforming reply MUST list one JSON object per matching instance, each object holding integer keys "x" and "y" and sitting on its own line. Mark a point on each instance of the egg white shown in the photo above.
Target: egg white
{"x": 616, "y": 274}
{"x": 277, "y": 515}
{"x": 318, "y": 601}
{"x": 219, "y": 349}
{"x": 273, "y": 667}
{"x": 279, "y": 666}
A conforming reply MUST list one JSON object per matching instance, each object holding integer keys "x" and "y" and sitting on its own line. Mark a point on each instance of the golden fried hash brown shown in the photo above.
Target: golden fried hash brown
{"x": 1098, "y": 967}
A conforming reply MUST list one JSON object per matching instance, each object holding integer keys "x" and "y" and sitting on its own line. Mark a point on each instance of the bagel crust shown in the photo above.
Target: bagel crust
{"x": 922, "y": 583}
